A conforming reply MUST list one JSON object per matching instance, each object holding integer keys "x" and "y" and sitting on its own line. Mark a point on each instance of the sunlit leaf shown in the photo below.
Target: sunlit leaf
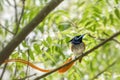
{"x": 63, "y": 26}
{"x": 50, "y": 57}
{"x": 117, "y": 13}
{"x": 117, "y": 1}
{"x": 37, "y": 48}
{"x": 32, "y": 55}
{"x": 111, "y": 18}
{"x": 81, "y": 4}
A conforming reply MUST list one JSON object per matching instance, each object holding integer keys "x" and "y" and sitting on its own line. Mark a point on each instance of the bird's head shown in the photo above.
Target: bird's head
{"x": 77, "y": 39}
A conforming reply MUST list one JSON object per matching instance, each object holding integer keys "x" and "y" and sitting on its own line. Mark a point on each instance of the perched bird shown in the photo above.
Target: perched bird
{"x": 77, "y": 45}
{"x": 77, "y": 48}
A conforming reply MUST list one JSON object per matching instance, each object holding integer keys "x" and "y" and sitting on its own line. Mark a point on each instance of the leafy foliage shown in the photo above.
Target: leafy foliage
{"x": 49, "y": 44}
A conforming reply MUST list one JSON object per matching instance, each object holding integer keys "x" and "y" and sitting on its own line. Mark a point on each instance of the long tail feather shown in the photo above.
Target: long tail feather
{"x": 64, "y": 69}
{"x": 28, "y": 63}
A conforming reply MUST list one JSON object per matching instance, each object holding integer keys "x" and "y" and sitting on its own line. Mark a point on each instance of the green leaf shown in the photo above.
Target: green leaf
{"x": 24, "y": 55}
{"x": 37, "y": 48}
{"x": 111, "y": 18}
{"x": 104, "y": 20}
{"x": 117, "y": 1}
{"x": 81, "y": 4}
{"x": 77, "y": 76}
{"x": 32, "y": 55}
{"x": 24, "y": 44}
{"x": 63, "y": 26}
{"x": 88, "y": 23}
{"x": 50, "y": 57}
{"x": 49, "y": 39}
{"x": 97, "y": 10}
{"x": 117, "y": 13}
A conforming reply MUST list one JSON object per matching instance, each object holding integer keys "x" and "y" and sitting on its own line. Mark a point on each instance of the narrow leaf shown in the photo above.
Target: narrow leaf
{"x": 117, "y": 13}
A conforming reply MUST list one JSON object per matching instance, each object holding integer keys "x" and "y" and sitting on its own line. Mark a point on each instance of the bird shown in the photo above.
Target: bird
{"x": 77, "y": 45}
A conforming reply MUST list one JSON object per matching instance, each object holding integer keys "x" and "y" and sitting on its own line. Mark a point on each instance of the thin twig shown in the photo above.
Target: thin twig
{"x": 3, "y": 71}
{"x": 113, "y": 38}
{"x": 21, "y": 15}
{"x": 15, "y": 71}
{"x": 27, "y": 77}
{"x": 17, "y": 21}
{"x": 22, "y": 12}
{"x": 73, "y": 24}
{"x": 16, "y": 16}
{"x": 84, "y": 54}
{"x": 113, "y": 63}
{"x": 6, "y": 29}
{"x": 16, "y": 66}
{"x": 102, "y": 39}
{"x": 28, "y": 52}
{"x": 9, "y": 3}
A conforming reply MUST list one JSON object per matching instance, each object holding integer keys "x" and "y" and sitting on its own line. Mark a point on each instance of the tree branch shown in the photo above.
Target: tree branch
{"x": 7, "y": 51}
{"x": 27, "y": 77}
{"x": 84, "y": 54}
{"x": 102, "y": 39}
{"x": 113, "y": 38}
{"x": 113, "y": 63}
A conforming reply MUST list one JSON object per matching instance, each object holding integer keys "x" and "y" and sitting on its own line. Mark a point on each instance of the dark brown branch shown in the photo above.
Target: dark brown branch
{"x": 7, "y": 51}
{"x": 84, "y": 54}
{"x": 113, "y": 63}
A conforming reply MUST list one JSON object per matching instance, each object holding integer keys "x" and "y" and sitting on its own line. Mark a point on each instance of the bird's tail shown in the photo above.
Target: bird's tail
{"x": 62, "y": 70}
{"x": 28, "y": 63}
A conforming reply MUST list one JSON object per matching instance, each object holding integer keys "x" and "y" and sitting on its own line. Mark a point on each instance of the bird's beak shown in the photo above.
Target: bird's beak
{"x": 70, "y": 40}
{"x": 82, "y": 35}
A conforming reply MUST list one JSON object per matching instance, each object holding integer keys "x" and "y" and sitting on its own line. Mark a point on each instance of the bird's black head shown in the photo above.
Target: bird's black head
{"x": 77, "y": 39}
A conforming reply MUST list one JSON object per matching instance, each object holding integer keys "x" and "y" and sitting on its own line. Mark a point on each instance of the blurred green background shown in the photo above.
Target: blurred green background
{"x": 48, "y": 45}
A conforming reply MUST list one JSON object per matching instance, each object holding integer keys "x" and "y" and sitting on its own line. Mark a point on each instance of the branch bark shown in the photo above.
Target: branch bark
{"x": 84, "y": 54}
{"x": 7, "y": 51}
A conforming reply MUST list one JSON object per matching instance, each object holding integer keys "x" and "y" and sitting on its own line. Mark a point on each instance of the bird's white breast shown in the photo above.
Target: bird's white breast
{"x": 78, "y": 49}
